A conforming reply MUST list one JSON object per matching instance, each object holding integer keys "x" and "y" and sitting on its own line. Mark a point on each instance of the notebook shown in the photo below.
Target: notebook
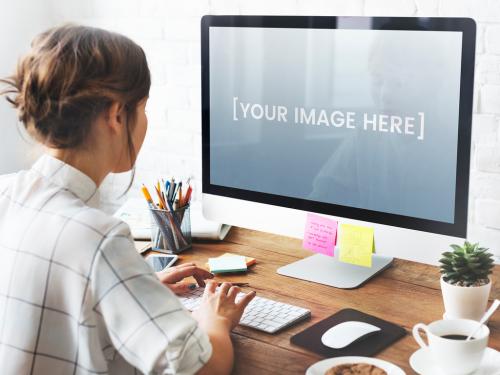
{"x": 135, "y": 213}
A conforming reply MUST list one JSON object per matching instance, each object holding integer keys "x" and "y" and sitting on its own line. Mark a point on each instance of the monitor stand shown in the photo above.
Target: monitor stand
{"x": 330, "y": 271}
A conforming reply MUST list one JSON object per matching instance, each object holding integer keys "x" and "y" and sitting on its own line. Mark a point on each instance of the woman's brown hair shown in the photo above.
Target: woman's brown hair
{"x": 71, "y": 75}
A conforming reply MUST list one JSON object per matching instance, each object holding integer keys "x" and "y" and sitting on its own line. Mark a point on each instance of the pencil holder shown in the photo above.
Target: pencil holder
{"x": 171, "y": 231}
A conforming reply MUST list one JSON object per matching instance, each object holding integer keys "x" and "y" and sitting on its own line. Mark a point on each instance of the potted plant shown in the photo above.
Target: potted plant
{"x": 465, "y": 281}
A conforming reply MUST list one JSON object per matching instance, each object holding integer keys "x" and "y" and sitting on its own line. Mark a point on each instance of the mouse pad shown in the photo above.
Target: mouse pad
{"x": 368, "y": 346}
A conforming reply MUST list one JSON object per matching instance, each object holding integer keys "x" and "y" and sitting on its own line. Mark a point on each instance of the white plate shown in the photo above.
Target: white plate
{"x": 421, "y": 362}
{"x": 319, "y": 368}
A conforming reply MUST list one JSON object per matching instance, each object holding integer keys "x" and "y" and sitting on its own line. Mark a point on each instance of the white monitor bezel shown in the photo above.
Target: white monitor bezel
{"x": 395, "y": 235}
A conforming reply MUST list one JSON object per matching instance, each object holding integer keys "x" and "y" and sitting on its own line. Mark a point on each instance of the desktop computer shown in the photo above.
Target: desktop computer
{"x": 364, "y": 119}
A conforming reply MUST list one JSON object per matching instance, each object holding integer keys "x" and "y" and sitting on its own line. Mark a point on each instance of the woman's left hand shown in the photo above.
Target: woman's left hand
{"x": 172, "y": 276}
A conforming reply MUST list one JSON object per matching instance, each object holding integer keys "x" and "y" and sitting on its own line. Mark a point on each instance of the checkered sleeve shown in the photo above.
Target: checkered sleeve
{"x": 145, "y": 321}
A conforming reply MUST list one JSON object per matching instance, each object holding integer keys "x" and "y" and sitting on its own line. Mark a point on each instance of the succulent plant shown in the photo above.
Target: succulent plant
{"x": 467, "y": 265}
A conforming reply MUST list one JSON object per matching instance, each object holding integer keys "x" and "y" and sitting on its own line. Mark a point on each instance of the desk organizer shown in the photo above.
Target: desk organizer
{"x": 171, "y": 231}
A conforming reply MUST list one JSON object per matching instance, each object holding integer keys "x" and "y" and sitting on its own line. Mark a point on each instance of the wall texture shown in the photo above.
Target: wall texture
{"x": 21, "y": 21}
{"x": 169, "y": 32}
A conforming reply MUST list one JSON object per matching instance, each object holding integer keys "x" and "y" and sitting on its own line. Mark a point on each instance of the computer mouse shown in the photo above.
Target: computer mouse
{"x": 345, "y": 333}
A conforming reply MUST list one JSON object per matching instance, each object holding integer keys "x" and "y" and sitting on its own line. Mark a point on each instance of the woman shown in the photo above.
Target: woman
{"x": 75, "y": 296}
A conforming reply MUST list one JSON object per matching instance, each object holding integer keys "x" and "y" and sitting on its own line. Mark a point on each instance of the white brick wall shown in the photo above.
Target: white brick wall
{"x": 169, "y": 32}
{"x": 390, "y": 7}
{"x": 488, "y": 213}
{"x": 492, "y": 39}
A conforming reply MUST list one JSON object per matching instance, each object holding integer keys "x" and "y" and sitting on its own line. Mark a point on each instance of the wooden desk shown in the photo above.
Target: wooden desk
{"x": 406, "y": 294}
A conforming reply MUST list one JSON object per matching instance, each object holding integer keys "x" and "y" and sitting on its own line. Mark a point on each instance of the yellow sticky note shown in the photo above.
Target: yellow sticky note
{"x": 356, "y": 245}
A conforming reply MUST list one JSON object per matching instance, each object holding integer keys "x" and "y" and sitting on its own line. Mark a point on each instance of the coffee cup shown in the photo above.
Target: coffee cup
{"x": 447, "y": 345}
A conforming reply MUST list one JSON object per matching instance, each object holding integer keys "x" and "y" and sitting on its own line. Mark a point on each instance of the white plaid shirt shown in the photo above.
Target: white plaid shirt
{"x": 75, "y": 296}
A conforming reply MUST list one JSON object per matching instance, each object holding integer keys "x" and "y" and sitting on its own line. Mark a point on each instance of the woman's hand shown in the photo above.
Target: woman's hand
{"x": 219, "y": 312}
{"x": 172, "y": 276}
{"x": 217, "y": 315}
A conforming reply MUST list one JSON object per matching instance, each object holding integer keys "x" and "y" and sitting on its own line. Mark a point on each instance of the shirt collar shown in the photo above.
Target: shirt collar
{"x": 68, "y": 177}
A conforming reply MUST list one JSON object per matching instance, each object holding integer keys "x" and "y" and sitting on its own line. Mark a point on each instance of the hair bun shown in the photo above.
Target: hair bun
{"x": 71, "y": 75}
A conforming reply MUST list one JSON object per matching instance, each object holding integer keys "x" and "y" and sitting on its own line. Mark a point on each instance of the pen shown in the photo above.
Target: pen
{"x": 167, "y": 188}
{"x": 174, "y": 192}
{"x": 172, "y": 189}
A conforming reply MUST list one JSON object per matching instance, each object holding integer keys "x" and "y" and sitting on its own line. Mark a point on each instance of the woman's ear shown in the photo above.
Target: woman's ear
{"x": 115, "y": 117}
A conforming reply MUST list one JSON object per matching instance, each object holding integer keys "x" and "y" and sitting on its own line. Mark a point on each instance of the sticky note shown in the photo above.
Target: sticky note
{"x": 320, "y": 234}
{"x": 356, "y": 245}
{"x": 234, "y": 263}
{"x": 248, "y": 260}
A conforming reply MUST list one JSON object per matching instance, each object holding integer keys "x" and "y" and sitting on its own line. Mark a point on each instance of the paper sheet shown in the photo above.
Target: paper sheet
{"x": 320, "y": 234}
{"x": 356, "y": 245}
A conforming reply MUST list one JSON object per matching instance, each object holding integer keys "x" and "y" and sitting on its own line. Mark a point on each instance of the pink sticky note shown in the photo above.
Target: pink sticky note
{"x": 320, "y": 234}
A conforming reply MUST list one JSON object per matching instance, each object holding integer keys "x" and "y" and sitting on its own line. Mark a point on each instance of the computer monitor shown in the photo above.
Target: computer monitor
{"x": 364, "y": 119}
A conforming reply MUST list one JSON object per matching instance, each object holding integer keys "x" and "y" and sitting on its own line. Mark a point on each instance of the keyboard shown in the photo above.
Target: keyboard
{"x": 261, "y": 313}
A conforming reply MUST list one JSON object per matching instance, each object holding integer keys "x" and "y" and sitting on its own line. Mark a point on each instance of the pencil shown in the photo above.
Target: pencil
{"x": 162, "y": 202}
{"x": 180, "y": 193}
{"x": 146, "y": 194}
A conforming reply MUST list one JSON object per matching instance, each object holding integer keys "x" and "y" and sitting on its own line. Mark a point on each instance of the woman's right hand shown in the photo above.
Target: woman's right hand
{"x": 219, "y": 310}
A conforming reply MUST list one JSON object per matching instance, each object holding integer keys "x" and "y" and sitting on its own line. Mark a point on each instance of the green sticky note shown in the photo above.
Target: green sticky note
{"x": 232, "y": 263}
{"x": 356, "y": 245}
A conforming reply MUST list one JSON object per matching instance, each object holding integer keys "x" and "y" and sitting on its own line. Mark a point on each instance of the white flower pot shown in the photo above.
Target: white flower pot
{"x": 462, "y": 302}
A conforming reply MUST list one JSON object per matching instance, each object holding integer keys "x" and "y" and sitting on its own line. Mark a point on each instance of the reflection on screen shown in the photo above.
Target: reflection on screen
{"x": 360, "y": 118}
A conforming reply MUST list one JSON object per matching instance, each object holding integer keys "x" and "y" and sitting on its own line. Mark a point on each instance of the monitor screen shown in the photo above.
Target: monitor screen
{"x": 344, "y": 119}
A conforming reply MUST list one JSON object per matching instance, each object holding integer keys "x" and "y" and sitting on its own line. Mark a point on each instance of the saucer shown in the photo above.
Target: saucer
{"x": 421, "y": 362}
